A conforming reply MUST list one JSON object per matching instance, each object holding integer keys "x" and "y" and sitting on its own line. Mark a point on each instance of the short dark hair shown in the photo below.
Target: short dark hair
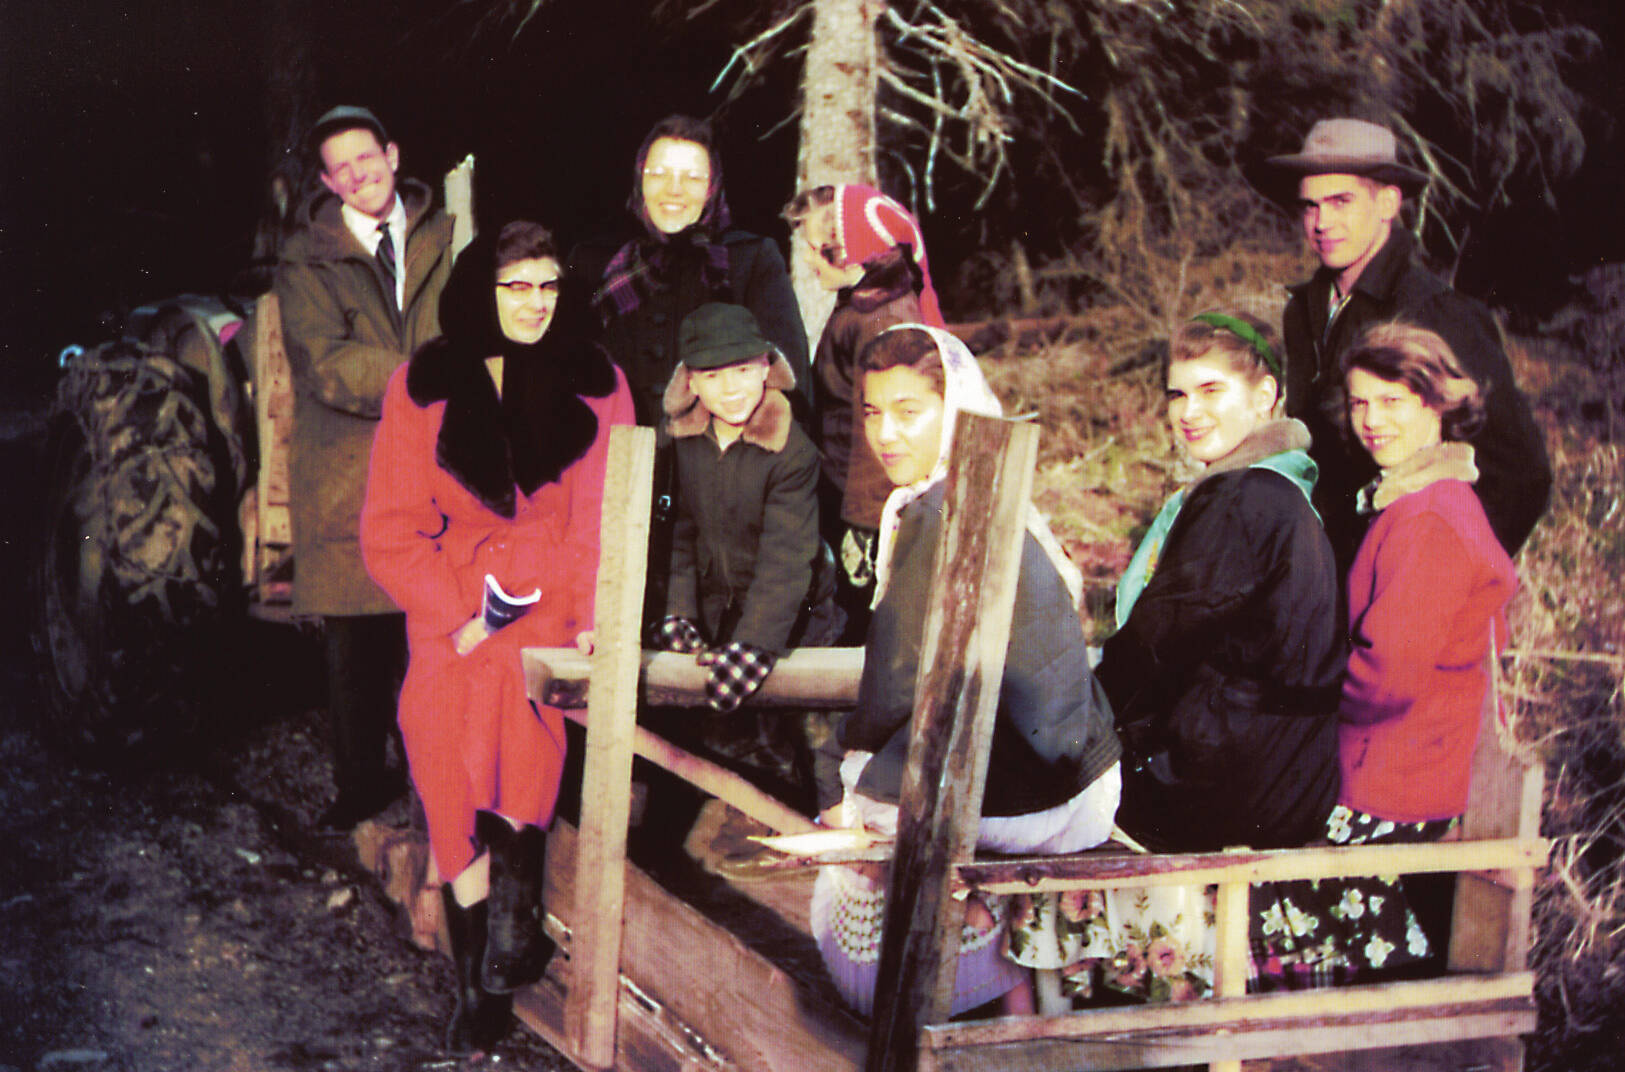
{"x": 680, "y": 128}
{"x": 684, "y": 128}
{"x": 910, "y": 346}
{"x": 805, "y": 201}
{"x": 522, "y": 240}
{"x": 1422, "y": 361}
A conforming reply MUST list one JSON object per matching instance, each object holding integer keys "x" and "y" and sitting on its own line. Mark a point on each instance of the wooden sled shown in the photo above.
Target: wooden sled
{"x": 646, "y": 982}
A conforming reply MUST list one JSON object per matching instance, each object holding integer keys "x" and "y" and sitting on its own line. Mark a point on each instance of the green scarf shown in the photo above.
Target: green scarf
{"x": 1279, "y": 446}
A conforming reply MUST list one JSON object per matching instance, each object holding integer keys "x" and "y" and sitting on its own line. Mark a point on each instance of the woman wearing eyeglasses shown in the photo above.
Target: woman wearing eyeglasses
{"x": 481, "y": 522}
{"x": 687, "y": 255}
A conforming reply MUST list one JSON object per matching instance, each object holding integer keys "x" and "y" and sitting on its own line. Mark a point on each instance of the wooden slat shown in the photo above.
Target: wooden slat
{"x": 1230, "y": 941}
{"x": 1092, "y": 871}
{"x": 1261, "y": 1041}
{"x": 612, "y": 716}
{"x": 805, "y": 678}
{"x": 650, "y": 1040}
{"x": 1230, "y": 953}
{"x": 273, "y": 427}
{"x": 1490, "y": 925}
{"x": 734, "y": 1004}
{"x": 967, "y": 631}
{"x": 458, "y": 190}
{"x": 716, "y": 780}
{"x": 1233, "y": 1029}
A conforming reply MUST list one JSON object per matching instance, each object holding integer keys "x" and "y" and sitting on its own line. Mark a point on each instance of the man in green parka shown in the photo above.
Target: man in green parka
{"x": 359, "y": 284}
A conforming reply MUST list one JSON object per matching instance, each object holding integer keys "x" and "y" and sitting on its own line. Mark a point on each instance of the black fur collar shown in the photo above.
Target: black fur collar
{"x": 538, "y": 426}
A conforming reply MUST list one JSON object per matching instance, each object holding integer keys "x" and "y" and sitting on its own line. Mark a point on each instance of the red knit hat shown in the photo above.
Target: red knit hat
{"x": 868, "y": 223}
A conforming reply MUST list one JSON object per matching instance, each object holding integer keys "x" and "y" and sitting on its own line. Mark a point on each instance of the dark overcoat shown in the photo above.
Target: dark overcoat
{"x": 1515, "y": 474}
{"x": 345, "y": 338}
{"x": 747, "y": 562}
{"x": 1225, "y": 678}
{"x": 643, "y": 342}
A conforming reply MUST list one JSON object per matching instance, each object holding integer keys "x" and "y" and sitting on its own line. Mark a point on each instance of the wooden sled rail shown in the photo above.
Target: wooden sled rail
{"x": 648, "y": 983}
{"x": 805, "y": 678}
{"x": 1225, "y": 1031}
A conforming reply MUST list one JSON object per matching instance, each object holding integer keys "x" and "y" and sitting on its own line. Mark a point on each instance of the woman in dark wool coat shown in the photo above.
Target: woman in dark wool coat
{"x": 1226, "y": 666}
{"x": 687, "y": 255}
{"x": 1225, "y": 669}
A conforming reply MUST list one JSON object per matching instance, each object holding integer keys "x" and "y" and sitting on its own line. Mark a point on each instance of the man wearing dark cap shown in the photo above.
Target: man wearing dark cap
{"x": 1350, "y": 185}
{"x": 359, "y": 284}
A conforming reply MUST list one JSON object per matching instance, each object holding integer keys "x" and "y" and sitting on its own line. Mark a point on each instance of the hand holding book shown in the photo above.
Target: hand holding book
{"x": 501, "y": 608}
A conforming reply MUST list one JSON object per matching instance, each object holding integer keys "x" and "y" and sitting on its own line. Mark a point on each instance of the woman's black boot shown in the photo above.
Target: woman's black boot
{"x": 518, "y": 949}
{"x": 481, "y": 1018}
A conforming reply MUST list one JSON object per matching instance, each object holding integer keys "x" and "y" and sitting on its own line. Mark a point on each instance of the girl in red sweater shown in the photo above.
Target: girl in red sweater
{"x": 1427, "y": 594}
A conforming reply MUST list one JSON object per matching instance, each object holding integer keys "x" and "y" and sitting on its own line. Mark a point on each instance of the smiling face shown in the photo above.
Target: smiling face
{"x": 902, "y": 421}
{"x": 1346, "y": 220}
{"x": 676, "y": 183}
{"x": 361, "y": 171}
{"x": 816, "y": 238}
{"x": 1391, "y": 421}
{"x": 527, "y": 293}
{"x": 1212, "y": 407}
{"x": 731, "y": 393}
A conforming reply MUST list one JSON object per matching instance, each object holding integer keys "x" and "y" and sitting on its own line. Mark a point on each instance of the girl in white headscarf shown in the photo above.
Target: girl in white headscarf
{"x": 1052, "y": 778}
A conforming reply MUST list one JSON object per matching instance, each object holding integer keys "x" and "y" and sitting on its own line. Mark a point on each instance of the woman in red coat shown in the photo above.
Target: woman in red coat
{"x": 488, "y": 468}
{"x": 1427, "y": 595}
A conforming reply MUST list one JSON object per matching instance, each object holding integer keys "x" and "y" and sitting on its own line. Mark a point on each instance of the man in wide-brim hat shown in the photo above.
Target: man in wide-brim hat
{"x": 1350, "y": 187}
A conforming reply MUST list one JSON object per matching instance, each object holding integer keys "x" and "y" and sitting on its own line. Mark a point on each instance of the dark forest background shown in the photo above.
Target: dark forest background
{"x": 136, "y": 142}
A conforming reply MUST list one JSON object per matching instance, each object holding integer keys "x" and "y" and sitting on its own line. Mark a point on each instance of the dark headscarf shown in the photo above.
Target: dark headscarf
{"x": 540, "y": 425}
{"x": 648, "y": 264}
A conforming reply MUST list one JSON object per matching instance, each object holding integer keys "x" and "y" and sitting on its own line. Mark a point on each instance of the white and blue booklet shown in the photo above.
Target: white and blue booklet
{"x": 503, "y": 609}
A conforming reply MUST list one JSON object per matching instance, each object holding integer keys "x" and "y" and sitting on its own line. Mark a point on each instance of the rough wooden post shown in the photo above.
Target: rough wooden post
{"x": 600, "y": 874}
{"x": 459, "y": 195}
{"x": 1490, "y": 931}
{"x": 967, "y": 630}
{"x": 271, "y": 539}
{"x": 1230, "y": 960}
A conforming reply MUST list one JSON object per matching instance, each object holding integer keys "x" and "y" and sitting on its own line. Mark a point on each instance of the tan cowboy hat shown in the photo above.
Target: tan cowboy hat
{"x": 1351, "y": 147}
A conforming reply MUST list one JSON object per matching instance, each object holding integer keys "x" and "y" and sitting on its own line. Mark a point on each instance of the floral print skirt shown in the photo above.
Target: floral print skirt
{"x": 1152, "y": 943}
{"x": 1322, "y": 933}
{"x": 1157, "y": 943}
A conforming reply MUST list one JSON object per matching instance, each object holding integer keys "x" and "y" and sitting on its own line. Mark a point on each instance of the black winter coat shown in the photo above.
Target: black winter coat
{"x": 1052, "y": 735}
{"x": 747, "y": 563}
{"x": 1515, "y": 475}
{"x": 856, "y": 483}
{"x": 644, "y": 342}
{"x": 1226, "y": 676}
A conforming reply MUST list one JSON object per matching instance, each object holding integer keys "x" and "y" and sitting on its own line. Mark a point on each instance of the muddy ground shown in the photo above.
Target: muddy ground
{"x": 186, "y": 915}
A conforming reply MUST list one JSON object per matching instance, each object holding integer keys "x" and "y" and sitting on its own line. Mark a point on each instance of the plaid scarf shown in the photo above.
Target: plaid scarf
{"x": 647, "y": 265}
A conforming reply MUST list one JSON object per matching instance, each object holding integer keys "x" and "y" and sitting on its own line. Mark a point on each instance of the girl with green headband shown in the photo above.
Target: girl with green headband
{"x": 1224, "y": 672}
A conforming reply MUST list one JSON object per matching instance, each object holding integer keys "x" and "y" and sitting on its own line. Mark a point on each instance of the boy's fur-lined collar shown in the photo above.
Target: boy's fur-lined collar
{"x": 768, "y": 427}
{"x": 1443, "y": 461}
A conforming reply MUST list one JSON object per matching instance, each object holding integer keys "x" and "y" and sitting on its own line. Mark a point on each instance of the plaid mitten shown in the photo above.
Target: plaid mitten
{"x": 675, "y": 633}
{"x": 858, "y": 556}
{"x": 737, "y": 670}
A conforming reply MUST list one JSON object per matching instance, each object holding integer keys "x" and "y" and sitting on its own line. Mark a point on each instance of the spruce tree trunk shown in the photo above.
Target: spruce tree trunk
{"x": 837, "y": 120}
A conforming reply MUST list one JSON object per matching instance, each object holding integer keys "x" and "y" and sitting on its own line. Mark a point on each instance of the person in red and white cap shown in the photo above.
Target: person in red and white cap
{"x": 868, "y": 249}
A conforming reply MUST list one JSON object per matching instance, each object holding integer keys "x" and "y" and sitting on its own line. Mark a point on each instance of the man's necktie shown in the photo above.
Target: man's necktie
{"x": 386, "y": 251}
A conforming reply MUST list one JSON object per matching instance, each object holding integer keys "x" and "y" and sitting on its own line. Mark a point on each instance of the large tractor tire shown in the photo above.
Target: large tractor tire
{"x": 135, "y": 583}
